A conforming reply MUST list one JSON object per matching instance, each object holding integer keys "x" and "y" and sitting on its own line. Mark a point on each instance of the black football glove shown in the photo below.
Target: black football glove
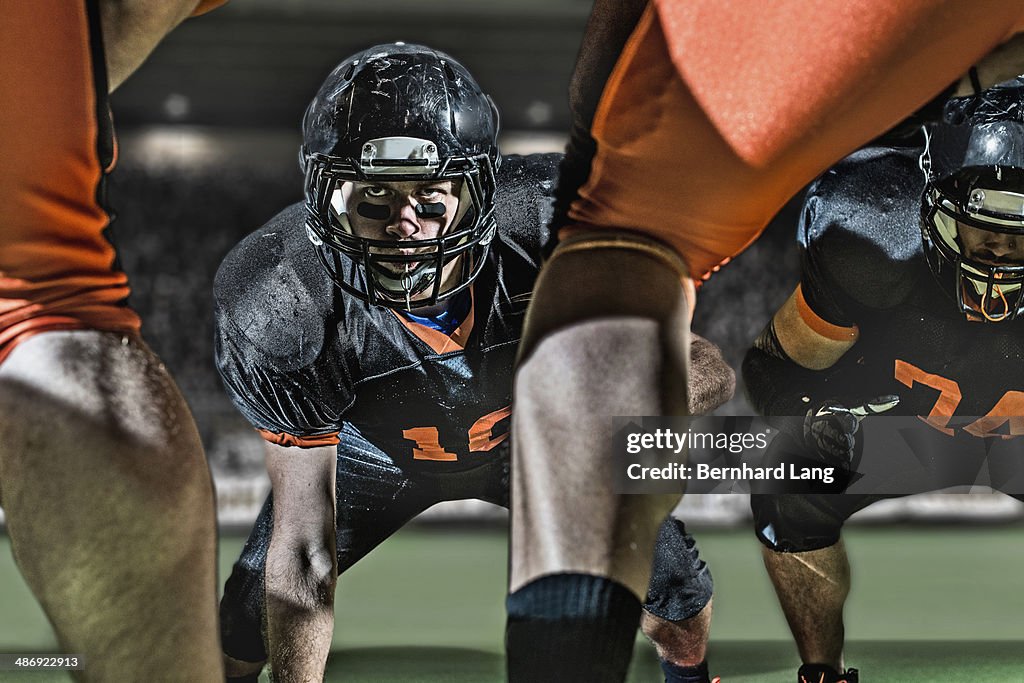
{"x": 830, "y": 427}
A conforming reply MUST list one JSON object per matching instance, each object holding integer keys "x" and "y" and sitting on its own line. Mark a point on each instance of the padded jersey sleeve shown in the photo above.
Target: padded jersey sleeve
{"x": 860, "y": 237}
{"x": 282, "y": 369}
{"x": 283, "y": 405}
{"x": 820, "y": 298}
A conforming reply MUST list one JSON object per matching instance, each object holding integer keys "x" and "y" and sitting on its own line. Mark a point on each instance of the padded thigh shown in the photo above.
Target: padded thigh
{"x": 796, "y": 522}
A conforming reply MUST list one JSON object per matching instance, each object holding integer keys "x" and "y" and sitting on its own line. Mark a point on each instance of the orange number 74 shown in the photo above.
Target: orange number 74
{"x": 1009, "y": 408}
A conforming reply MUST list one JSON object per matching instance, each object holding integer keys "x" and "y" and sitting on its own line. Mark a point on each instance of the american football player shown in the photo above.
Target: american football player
{"x": 693, "y": 123}
{"x": 935, "y": 321}
{"x": 369, "y": 334}
{"x": 911, "y": 286}
{"x": 107, "y": 496}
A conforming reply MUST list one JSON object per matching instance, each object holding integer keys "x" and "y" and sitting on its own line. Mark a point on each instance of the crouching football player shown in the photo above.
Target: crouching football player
{"x": 880, "y": 311}
{"x": 369, "y": 334}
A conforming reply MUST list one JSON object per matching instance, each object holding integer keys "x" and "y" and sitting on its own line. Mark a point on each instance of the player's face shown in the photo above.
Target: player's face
{"x": 403, "y": 211}
{"x": 990, "y": 247}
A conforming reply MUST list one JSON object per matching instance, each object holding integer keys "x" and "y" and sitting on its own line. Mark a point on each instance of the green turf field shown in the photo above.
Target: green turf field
{"x": 929, "y": 604}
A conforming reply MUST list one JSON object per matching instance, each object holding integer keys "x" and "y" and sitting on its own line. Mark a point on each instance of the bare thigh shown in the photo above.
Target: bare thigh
{"x": 109, "y": 505}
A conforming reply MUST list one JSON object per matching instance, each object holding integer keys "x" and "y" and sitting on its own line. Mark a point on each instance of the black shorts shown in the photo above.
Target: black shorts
{"x": 801, "y": 522}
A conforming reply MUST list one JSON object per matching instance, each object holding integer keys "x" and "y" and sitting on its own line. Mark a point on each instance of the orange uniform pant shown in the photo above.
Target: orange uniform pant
{"x": 57, "y": 267}
{"x": 716, "y": 113}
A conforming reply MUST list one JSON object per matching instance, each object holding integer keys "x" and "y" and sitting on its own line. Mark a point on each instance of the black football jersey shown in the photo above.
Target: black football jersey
{"x": 299, "y": 357}
{"x": 863, "y": 265}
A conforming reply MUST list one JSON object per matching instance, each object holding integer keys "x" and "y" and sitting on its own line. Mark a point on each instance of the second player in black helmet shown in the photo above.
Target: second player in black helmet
{"x": 400, "y": 145}
{"x": 369, "y": 334}
{"x": 881, "y": 314}
{"x": 973, "y": 210}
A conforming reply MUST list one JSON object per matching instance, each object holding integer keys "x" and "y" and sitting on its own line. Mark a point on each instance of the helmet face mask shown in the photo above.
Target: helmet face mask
{"x": 961, "y": 248}
{"x": 972, "y": 210}
{"x": 353, "y": 137}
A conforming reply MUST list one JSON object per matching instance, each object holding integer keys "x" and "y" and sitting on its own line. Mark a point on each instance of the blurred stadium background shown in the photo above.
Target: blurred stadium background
{"x": 209, "y": 137}
{"x": 208, "y": 134}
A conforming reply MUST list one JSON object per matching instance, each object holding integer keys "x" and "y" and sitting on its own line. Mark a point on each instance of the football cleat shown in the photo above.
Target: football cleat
{"x": 821, "y": 673}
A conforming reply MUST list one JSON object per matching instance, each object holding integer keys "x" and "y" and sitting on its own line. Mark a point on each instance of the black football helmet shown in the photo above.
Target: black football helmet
{"x": 401, "y": 112}
{"x": 973, "y": 162}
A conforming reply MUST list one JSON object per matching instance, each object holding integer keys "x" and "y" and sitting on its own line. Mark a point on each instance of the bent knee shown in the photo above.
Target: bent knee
{"x": 302, "y": 575}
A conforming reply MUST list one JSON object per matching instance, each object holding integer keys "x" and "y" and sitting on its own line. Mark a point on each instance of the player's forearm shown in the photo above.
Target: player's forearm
{"x": 133, "y": 28}
{"x": 301, "y": 569}
{"x": 776, "y": 385}
{"x": 300, "y": 615}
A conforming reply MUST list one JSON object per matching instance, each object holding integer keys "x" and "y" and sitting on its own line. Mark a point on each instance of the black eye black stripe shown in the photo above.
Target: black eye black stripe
{"x": 374, "y": 212}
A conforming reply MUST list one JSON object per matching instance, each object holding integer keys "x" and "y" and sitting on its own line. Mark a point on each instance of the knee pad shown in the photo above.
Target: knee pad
{"x": 681, "y": 584}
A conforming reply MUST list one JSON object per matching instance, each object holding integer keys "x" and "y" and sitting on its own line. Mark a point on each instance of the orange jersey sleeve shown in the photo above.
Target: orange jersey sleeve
{"x": 715, "y": 114}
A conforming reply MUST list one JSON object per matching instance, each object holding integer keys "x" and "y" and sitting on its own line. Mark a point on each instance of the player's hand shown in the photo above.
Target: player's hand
{"x": 711, "y": 381}
{"x": 831, "y": 426}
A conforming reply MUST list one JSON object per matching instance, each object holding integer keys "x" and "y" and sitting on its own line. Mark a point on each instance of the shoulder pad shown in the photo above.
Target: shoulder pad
{"x": 860, "y": 226}
{"x": 523, "y": 203}
{"x": 271, "y": 289}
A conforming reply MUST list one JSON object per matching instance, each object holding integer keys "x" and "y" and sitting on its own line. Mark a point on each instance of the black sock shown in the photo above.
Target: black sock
{"x": 685, "y": 674}
{"x": 571, "y": 627}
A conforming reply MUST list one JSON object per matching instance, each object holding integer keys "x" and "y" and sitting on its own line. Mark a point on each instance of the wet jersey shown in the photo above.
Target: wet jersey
{"x": 299, "y": 357}
{"x": 864, "y": 265}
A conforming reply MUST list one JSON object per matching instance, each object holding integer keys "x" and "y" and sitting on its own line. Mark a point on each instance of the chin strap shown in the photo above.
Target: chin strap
{"x": 407, "y": 285}
{"x": 1006, "y": 305}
